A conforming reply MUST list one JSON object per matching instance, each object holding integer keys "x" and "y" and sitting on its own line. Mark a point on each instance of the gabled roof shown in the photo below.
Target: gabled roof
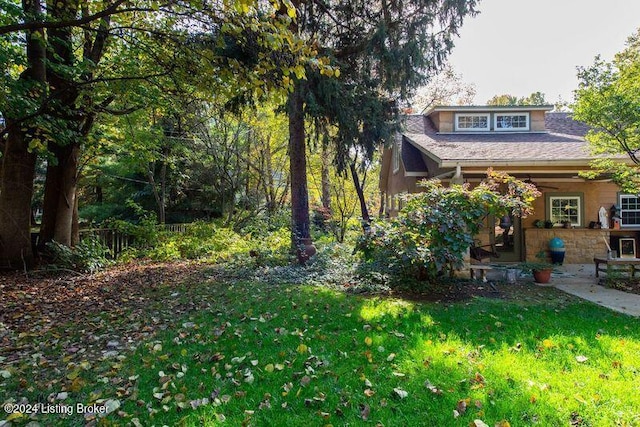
{"x": 562, "y": 144}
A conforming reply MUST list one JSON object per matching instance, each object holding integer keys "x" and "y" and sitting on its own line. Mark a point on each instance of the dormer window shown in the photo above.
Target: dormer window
{"x": 511, "y": 122}
{"x": 472, "y": 122}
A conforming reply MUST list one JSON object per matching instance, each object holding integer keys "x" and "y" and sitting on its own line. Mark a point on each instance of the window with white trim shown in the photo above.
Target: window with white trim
{"x": 563, "y": 208}
{"x": 472, "y": 122}
{"x": 629, "y": 210}
{"x": 511, "y": 121}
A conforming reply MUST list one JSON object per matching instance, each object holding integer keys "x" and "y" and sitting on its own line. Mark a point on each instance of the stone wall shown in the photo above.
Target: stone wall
{"x": 581, "y": 244}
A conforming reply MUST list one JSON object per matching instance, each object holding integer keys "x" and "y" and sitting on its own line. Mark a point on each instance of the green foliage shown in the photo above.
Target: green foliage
{"x": 270, "y": 354}
{"x": 436, "y": 227}
{"x": 88, "y": 256}
{"x": 145, "y": 232}
{"x": 536, "y": 98}
{"x": 215, "y": 244}
{"x": 608, "y": 99}
{"x": 541, "y": 264}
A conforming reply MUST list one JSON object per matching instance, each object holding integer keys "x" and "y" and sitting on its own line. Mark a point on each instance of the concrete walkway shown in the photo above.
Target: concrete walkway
{"x": 580, "y": 280}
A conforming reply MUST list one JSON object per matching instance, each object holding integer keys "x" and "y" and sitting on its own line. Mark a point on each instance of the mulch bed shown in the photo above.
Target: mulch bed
{"x": 628, "y": 284}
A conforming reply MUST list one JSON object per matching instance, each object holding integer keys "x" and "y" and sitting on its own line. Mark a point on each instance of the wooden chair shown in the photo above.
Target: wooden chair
{"x": 483, "y": 252}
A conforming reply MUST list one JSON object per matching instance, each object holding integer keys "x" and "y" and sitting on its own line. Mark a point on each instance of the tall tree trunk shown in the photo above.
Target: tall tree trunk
{"x": 15, "y": 202}
{"x": 366, "y": 220}
{"x": 67, "y": 196}
{"x": 156, "y": 193}
{"x": 50, "y": 203}
{"x": 75, "y": 225}
{"x": 325, "y": 178}
{"x": 298, "y": 166}
{"x": 62, "y": 173}
{"x": 18, "y": 162}
{"x": 163, "y": 192}
{"x": 59, "y": 195}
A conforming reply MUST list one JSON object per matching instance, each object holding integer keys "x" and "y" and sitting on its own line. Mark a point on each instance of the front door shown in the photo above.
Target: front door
{"x": 507, "y": 235}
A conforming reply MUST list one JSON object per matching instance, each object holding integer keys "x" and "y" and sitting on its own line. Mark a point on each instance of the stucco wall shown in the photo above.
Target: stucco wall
{"x": 596, "y": 194}
{"x": 537, "y": 121}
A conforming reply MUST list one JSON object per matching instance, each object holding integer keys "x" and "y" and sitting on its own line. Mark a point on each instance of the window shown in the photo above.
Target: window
{"x": 472, "y": 122}
{"x": 629, "y": 210}
{"x": 397, "y": 144}
{"x": 565, "y": 207}
{"x": 511, "y": 121}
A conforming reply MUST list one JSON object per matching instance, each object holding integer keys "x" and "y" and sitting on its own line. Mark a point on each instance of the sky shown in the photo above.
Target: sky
{"x": 523, "y": 46}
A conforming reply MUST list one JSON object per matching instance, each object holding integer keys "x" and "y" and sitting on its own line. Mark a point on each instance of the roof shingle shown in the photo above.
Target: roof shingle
{"x": 564, "y": 141}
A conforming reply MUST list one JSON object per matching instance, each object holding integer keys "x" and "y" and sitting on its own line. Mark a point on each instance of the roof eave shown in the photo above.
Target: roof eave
{"x": 448, "y": 163}
{"x": 467, "y": 108}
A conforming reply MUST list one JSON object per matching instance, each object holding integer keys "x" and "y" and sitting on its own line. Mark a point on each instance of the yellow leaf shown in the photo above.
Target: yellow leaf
{"x": 302, "y": 348}
{"x": 269, "y": 367}
{"x": 73, "y": 374}
{"x": 291, "y": 11}
{"x": 14, "y": 416}
{"x": 77, "y": 385}
{"x": 336, "y": 72}
{"x": 368, "y": 341}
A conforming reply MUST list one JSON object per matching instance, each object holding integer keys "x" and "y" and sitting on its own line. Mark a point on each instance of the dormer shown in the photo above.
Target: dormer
{"x": 489, "y": 119}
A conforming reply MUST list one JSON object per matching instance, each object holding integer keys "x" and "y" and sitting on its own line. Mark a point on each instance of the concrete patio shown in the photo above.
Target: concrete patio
{"x": 580, "y": 280}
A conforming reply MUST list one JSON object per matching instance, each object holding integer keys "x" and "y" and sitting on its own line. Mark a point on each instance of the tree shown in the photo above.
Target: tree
{"x": 446, "y": 88}
{"x": 379, "y": 53}
{"x": 608, "y": 99}
{"x": 536, "y": 98}
{"x": 82, "y": 59}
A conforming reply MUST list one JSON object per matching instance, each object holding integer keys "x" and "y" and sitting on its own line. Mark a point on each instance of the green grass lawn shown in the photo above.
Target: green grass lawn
{"x": 265, "y": 355}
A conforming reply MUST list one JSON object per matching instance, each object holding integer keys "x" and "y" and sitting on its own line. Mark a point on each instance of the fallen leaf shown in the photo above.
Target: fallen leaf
{"x": 478, "y": 423}
{"x": 365, "y": 410}
{"x": 581, "y": 359}
{"x": 400, "y": 393}
{"x": 433, "y": 389}
{"x": 461, "y": 407}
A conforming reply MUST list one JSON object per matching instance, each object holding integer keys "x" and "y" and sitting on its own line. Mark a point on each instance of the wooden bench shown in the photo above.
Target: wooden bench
{"x": 482, "y": 268}
{"x": 630, "y": 262}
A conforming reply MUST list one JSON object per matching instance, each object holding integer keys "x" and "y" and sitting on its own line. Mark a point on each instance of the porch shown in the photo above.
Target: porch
{"x": 581, "y": 244}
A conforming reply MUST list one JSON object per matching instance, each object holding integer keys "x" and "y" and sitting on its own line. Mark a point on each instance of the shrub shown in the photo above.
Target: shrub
{"x": 89, "y": 256}
{"x": 436, "y": 227}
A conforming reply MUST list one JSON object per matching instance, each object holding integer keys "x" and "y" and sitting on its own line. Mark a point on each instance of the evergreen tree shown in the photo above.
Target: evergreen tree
{"x": 380, "y": 52}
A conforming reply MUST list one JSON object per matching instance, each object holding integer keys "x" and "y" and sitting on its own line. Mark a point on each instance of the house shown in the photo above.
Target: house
{"x": 458, "y": 143}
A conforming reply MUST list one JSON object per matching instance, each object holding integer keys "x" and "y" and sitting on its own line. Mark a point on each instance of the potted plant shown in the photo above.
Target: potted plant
{"x": 540, "y": 269}
{"x": 538, "y": 223}
{"x": 548, "y": 224}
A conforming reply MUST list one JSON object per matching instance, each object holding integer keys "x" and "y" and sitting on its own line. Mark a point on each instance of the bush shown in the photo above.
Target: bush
{"x": 89, "y": 256}
{"x": 435, "y": 228}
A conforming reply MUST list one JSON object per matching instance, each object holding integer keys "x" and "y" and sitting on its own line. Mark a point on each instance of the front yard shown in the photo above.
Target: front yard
{"x": 179, "y": 344}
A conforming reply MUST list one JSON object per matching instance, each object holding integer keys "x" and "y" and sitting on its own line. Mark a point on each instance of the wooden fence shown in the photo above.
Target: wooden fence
{"x": 117, "y": 241}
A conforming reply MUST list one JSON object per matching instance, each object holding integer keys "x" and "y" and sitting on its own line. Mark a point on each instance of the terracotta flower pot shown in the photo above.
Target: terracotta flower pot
{"x": 542, "y": 276}
{"x": 306, "y": 250}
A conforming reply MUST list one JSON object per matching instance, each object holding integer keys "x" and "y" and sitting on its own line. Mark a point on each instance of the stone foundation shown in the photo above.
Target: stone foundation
{"x": 581, "y": 244}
